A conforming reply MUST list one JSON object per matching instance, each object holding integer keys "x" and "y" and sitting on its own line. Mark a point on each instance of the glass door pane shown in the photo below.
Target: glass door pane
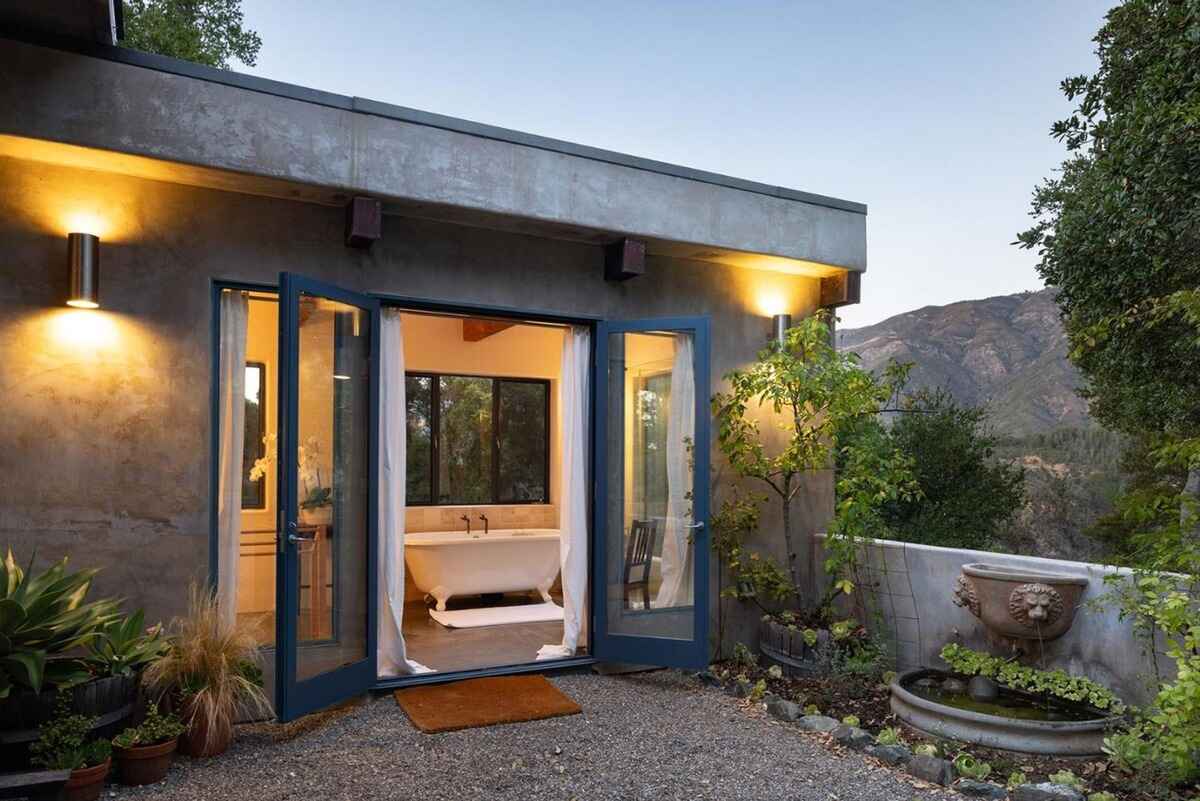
{"x": 654, "y": 502}
{"x": 328, "y": 631}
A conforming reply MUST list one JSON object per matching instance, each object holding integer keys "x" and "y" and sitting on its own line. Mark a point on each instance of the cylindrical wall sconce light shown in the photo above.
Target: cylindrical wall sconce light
{"x": 83, "y": 262}
{"x": 780, "y": 323}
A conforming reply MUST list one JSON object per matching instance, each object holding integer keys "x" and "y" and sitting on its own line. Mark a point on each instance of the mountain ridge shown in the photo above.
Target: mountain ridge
{"x": 1008, "y": 352}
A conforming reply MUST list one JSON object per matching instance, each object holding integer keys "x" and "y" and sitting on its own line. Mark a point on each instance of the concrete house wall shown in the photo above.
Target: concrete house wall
{"x": 105, "y": 430}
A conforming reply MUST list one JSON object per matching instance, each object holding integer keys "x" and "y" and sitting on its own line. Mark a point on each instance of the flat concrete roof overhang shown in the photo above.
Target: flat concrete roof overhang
{"x": 113, "y": 109}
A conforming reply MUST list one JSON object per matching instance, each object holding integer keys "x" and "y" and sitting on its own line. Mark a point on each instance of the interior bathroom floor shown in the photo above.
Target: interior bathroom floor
{"x": 444, "y": 649}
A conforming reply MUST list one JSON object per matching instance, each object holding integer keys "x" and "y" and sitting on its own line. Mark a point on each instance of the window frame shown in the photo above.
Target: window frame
{"x": 435, "y": 429}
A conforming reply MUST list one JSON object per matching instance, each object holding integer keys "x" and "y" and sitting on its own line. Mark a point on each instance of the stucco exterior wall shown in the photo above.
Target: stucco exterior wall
{"x": 106, "y": 421}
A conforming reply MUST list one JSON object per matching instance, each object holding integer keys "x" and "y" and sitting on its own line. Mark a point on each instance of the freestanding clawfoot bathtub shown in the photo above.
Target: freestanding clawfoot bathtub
{"x": 448, "y": 563}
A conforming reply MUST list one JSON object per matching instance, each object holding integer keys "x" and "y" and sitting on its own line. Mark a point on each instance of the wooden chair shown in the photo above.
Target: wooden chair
{"x": 639, "y": 554}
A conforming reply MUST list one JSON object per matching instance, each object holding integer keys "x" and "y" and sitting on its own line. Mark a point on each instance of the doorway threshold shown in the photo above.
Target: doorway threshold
{"x": 504, "y": 670}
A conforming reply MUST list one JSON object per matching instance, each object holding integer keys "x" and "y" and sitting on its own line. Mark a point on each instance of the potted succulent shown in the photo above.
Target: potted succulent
{"x": 210, "y": 670}
{"x": 144, "y": 752}
{"x": 64, "y": 744}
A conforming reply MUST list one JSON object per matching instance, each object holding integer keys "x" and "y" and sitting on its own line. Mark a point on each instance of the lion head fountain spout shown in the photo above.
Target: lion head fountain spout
{"x": 1017, "y": 604}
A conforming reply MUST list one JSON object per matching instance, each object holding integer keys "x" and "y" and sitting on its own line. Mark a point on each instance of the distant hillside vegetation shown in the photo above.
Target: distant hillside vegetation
{"x": 1008, "y": 352}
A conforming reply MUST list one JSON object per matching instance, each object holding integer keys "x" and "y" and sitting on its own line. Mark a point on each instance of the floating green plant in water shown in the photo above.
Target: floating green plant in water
{"x": 1054, "y": 683}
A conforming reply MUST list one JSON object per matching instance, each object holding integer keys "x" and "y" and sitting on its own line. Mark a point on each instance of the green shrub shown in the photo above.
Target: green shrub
{"x": 889, "y": 736}
{"x": 812, "y": 709}
{"x": 851, "y": 720}
{"x": 972, "y": 768}
{"x": 744, "y": 657}
{"x": 64, "y": 744}
{"x": 926, "y": 749}
{"x": 1068, "y": 778}
{"x": 1015, "y": 778}
{"x": 1056, "y": 683}
{"x": 156, "y": 728}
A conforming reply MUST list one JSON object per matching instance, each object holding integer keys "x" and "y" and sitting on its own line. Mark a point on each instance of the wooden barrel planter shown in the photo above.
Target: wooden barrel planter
{"x": 786, "y": 648}
{"x": 110, "y": 700}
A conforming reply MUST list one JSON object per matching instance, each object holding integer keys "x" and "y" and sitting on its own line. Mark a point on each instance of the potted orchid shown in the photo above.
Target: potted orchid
{"x": 316, "y": 499}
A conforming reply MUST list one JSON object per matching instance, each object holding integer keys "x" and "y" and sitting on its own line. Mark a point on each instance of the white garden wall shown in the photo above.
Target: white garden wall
{"x": 911, "y": 588}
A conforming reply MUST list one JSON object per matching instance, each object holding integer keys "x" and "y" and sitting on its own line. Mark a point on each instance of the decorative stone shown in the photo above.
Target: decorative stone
{"x": 926, "y": 682}
{"x": 708, "y": 678}
{"x": 931, "y": 769}
{"x": 893, "y": 755}
{"x": 768, "y": 698}
{"x": 819, "y": 723}
{"x": 784, "y": 710}
{"x": 981, "y": 789}
{"x": 965, "y": 595}
{"x": 853, "y": 737}
{"x": 743, "y": 688}
{"x": 1035, "y": 605}
{"x": 954, "y": 685}
{"x": 981, "y": 688}
{"x": 1046, "y": 791}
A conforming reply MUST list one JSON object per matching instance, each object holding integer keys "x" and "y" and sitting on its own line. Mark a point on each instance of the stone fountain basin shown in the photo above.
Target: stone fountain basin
{"x": 1019, "y": 603}
{"x": 1041, "y": 737}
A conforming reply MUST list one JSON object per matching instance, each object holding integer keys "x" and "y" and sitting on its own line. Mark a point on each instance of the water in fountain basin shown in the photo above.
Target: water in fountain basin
{"x": 1007, "y": 705}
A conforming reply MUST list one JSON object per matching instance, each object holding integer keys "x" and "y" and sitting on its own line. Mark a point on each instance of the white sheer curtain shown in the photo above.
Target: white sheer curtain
{"x": 231, "y": 405}
{"x": 393, "y": 410}
{"x": 573, "y": 488}
{"x": 676, "y": 587}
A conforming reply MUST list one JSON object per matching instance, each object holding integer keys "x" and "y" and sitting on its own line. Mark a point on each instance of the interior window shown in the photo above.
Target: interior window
{"x": 254, "y": 491}
{"x": 419, "y": 394}
{"x": 474, "y": 440}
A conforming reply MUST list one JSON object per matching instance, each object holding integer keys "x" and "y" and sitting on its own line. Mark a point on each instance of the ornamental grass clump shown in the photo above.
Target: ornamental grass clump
{"x": 211, "y": 667}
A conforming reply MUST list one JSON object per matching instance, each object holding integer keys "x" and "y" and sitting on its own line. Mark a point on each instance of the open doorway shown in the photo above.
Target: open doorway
{"x": 483, "y": 535}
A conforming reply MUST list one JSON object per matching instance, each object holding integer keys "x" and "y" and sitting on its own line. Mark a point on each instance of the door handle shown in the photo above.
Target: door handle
{"x": 297, "y": 538}
{"x": 699, "y": 524}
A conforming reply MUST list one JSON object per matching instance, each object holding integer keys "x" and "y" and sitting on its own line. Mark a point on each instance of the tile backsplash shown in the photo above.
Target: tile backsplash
{"x": 448, "y": 518}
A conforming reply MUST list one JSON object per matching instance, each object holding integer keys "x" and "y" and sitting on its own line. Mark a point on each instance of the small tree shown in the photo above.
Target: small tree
{"x": 967, "y": 494}
{"x": 815, "y": 394}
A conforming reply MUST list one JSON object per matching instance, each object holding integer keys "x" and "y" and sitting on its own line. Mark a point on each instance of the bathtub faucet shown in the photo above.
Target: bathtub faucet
{"x": 483, "y": 517}
{"x": 468, "y": 519}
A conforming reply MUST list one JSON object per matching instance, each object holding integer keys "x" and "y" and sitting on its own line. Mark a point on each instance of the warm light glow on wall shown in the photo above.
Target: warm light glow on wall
{"x": 85, "y": 221}
{"x": 770, "y": 302}
{"x": 82, "y": 331}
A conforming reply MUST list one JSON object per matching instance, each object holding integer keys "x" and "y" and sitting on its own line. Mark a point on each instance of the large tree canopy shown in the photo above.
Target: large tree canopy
{"x": 1119, "y": 228}
{"x": 203, "y": 31}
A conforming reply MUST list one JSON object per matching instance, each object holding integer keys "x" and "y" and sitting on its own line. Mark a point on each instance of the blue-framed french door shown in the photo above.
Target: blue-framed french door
{"x": 651, "y": 506}
{"x": 326, "y": 576}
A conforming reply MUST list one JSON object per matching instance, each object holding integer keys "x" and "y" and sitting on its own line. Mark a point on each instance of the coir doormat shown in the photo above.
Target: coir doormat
{"x": 466, "y": 704}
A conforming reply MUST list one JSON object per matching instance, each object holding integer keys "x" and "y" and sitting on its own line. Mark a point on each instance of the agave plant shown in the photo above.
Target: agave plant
{"x": 125, "y": 646}
{"x": 43, "y": 619}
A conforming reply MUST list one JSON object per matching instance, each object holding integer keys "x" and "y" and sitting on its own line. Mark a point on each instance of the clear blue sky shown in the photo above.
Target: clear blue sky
{"x": 934, "y": 114}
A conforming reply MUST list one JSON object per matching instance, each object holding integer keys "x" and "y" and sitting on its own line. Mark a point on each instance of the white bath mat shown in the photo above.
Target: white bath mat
{"x": 497, "y": 615}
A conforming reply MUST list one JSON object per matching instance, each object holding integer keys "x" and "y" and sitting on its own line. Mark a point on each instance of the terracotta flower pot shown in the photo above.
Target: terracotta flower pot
{"x": 196, "y": 742}
{"x": 85, "y": 784}
{"x": 145, "y": 764}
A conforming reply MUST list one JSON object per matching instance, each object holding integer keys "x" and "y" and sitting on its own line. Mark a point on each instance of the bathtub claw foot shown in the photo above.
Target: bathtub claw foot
{"x": 441, "y": 596}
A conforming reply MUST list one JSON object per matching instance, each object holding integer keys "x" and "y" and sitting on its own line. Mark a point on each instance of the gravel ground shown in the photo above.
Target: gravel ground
{"x": 655, "y": 736}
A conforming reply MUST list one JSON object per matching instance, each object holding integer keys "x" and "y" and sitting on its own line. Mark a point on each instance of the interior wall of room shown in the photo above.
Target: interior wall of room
{"x": 435, "y": 343}
{"x": 108, "y": 413}
{"x": 256, "y": 565}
